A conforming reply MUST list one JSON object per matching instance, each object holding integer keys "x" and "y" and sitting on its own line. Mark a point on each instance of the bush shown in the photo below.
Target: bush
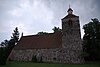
{"x": 34, "y": 59}
{"x": 3, "y": 56}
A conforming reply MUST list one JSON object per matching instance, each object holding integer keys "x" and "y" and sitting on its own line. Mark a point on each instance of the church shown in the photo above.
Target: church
{"x": 58, "y": 47}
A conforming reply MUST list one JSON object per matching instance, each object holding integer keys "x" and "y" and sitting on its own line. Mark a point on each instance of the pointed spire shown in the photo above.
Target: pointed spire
{"x": 70, "y": 11}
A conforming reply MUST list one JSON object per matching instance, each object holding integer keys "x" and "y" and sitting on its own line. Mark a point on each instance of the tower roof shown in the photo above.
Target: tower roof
{"x": 70, "y": 14}
{"x": 69, "y": 9}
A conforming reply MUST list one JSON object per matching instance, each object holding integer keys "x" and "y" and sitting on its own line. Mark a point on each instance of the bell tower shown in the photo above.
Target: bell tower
{"x": 71, "y": 36}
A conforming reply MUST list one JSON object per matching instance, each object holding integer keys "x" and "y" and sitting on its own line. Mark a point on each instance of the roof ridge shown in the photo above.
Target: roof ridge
{"x": 40, "y": 35}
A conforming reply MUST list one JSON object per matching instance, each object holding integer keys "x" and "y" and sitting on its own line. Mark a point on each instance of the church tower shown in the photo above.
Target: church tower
{"x": 71, "y": 37}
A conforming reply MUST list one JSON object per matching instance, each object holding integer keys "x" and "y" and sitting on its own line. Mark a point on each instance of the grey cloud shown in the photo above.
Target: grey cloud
{"x": 86, "y": 9}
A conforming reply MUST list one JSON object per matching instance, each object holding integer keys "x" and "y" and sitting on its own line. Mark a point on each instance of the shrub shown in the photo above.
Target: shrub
{"x": 34, "y": 59}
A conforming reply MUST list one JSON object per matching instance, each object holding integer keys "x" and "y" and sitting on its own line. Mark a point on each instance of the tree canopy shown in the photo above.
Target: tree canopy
{"x": 7, "y": 46}
{"x": 56, "y": 29}
{"x": 91, "y": 39}
{"x": 15, "y": 35}
{"x": 41, "y": 33}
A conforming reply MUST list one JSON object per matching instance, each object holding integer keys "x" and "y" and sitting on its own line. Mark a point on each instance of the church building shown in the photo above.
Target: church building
{"x": 58, "y": 47}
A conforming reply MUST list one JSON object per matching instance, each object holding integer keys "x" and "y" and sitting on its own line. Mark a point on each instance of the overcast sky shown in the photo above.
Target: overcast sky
{"x": 32, "y": 16}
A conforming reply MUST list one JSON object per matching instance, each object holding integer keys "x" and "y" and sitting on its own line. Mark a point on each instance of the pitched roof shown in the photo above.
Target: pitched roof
{"x": 70, "y": 16}
{"x": 51, "y": 40}
{"x": 69, "y": 9}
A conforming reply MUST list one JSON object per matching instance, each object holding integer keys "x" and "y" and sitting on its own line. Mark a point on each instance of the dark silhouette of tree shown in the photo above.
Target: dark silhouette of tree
{"x": 13, "y": 41}
{"x": 7, "y": 46}
{"x": 91, "y": 39}
{"x": 3, "y": 52}
{"x": 15, "y": 35}
{"x": 56, "y": 29}
{"x": 41, "y": 33}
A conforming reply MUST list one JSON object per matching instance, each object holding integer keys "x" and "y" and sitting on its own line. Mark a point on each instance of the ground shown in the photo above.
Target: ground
{"x": 31, "y": 64}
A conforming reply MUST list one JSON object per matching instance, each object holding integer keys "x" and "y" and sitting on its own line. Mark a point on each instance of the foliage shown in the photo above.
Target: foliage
{"x": 15, "y": 35}
{"x": 7, "y": 46}
{"x": 41, "y": 33}
{"x": 56, "y": 29}
{"x": 34, "y": 59}
{"x": 3, "y": 52}
{"x": 84, "y": 54}
{"x": 2, "y": 55}
{"x": 91, "y": 39}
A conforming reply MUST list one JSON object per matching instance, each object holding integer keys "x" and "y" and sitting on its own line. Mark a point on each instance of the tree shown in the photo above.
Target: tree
{"x": 12, "y": 42}
{"x": 41, "y": 33}
{"x": 3, "y": 52}
{"x": 7, "y": 46}
{"x": 91, "y": 39}
{"x": 56, "y": 29}
{"x": 15, "y": 35}
{"x": 2, "y": 55}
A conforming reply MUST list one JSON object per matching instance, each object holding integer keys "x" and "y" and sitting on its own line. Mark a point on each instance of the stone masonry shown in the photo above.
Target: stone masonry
{"x": 48, "y": 55}
{"x": 71, "y": 36}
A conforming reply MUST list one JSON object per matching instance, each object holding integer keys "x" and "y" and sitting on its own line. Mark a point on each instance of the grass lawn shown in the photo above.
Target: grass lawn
{"x": 30, "y": 64}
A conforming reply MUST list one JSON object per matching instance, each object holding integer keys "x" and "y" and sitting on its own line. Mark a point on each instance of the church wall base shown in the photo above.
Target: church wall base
{"x": 57, "y": 55}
